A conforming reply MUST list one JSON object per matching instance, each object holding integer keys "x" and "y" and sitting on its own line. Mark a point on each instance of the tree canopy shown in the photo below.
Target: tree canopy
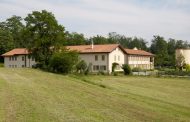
{"x": 43, "y": 34}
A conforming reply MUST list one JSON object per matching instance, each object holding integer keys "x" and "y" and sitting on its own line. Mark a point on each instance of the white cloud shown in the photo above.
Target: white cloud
{"x": 93, "y": 17}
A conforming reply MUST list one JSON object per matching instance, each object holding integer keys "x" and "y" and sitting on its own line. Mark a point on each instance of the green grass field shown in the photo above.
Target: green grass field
{"x": 29, "y": 95}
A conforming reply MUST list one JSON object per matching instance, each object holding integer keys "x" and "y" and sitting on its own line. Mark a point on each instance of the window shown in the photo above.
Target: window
{"x": 22, "y": 65}
{"x": 103, "y": 57}
{"x": 15, "y": 66}
{"x": 103, "y": 67}
{"x": 118, "y": 58}
{"x": 114, "y": 57}
{"x": 15, "y": 58}
{"x": 12, "y": 58}
{"x": 22, "y": 58}
{"x": 96, "y": 57}
{"x": 9, "y": 58}
{"x": 95, "y": 67}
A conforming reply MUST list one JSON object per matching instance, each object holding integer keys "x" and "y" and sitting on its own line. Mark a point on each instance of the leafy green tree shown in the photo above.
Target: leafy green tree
{"x": 180, "y": 44}
{"x": 187, "y": 67}
{"x": 98, "y": 40}
{"x": 125, "y": 41}
{"x": 113, "y": 38}
{"x": 138, "y": 43}
{"x": 159, "y": 47}
{"x": 63, "y": 61}
{"x": 6, "y": 42}
{"x": 74, "y": 39}
{"x": 43, "y": 35}
{"x": 81, "y": 66}
{"x": 114, "y": 65}
{"x": 127, "y": 69}
{"x": 171, "y": 52}
{"x": 14, "y": 26}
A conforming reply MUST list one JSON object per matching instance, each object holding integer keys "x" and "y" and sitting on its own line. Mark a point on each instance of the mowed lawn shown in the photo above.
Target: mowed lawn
{"x": 29, "y": 95}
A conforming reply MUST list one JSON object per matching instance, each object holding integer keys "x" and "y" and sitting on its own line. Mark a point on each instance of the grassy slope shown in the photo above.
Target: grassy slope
{"x": 32, "y": 95}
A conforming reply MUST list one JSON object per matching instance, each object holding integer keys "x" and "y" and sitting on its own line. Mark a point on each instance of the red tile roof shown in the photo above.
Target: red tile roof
{"x": 17, "y": 51}
{"x": 107, "y": 48}
{"x": 138, "y": 52}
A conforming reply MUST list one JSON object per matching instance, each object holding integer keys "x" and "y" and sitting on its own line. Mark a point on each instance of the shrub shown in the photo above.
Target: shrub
{"x": 63, "y": 62}
{"x": 101, "y": 73}
{"x": 81, "y": 66}
{"x": 175, "y": 73}
{"x": 127, "y": 69}
{"x": 88, "y": 69}
{"x": 137, "y": 69}
{"x": 187, "y": 67}
{"x": 114, "y": 66}
{"x": 115, "y": 73}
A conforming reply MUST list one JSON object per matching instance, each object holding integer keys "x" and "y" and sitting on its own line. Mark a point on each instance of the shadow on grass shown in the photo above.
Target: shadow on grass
{"x": 88, "y": 81}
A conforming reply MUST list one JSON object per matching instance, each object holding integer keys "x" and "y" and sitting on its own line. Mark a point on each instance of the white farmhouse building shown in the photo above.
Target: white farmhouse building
{"x": 140, "y": 59}
{"x": 101, "y": 57}
{"x": 18, "y": 58}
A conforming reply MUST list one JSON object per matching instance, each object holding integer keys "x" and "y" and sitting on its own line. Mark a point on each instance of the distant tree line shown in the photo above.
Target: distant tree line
{"x": 43, "y": 35}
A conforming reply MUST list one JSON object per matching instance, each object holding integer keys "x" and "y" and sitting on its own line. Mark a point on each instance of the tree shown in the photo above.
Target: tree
{"x": 113, "y": 38}
{"x": 63, "y": 61}
{"x": 74, "y": 39}
{"x": 14, "y": 27}
{"x": 98, "y": 40}
{"x": 127, "y": 69}
{"x": 159, "y": 47}
{"x": 114, "y": 65}
{"x": 43, "y": 35}
{"x": 125, "y": 41}
{"x": 6, "y": 42}
{"x": 138, "y": 43}
{"x": 187, "y": 67}
{"x": 180, "y": 44}
{"x": 171, "y": 52}
{"x": 81, "y": 66}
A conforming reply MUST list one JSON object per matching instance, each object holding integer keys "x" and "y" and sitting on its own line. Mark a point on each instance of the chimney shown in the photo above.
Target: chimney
{"x": 92, "y": 45}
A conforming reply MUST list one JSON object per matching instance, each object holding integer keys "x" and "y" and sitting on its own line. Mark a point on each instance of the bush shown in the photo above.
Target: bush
{"x": 115, "y": 73}
{"x": 81, "y": 66}
{"x": 187, "y": 67}
{"x": 137, "y": 69}
{"x": 114, "y": 66}
{"x": 89, "y": 69}
{"x": 63, "y": 62}
{"x": 127, "y": 69}
{"x": 175, "y": 73}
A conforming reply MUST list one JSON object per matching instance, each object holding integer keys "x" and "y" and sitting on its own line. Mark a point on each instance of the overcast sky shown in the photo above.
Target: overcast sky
{"x": 141, "y": 18}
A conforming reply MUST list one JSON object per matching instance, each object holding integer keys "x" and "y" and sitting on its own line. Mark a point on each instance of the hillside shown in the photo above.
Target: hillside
{"x": 29, "y": 95}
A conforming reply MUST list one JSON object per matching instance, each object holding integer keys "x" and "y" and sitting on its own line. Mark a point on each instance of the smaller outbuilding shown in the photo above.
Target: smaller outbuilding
{"x": 18, "y": 58}
{"x": 140, "y": 58}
